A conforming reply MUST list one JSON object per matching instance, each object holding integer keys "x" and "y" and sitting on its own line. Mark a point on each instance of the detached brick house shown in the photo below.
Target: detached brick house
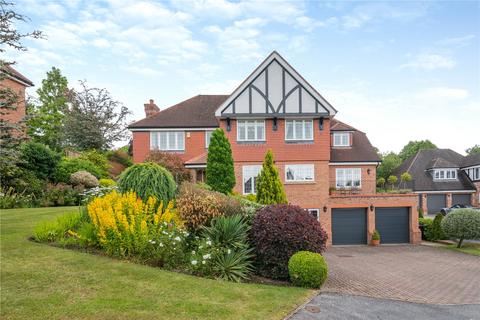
{"x": 442, "y": 178}
{"x": 14, "y": 80}
{"x": 327, "y": 166}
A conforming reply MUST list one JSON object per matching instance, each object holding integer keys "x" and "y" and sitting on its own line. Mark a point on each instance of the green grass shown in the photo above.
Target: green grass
{"x": 469, "y": 248}
{"x": 44, "y": 282}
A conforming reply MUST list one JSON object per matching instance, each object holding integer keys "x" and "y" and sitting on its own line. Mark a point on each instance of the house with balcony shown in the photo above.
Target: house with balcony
{"x": 326, "y": 166}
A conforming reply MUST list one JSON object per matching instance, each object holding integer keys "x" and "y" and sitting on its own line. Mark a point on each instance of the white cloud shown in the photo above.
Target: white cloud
{"x": 457, "y": 42}
{"x": 442, "y": 95}
{"x": 144, "y": 71}
{"x": 101, "y": 43}
{"x": 430, "y": 61}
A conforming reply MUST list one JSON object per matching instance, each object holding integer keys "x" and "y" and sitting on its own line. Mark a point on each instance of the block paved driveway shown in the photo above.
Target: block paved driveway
{"x": 411, "y": 273}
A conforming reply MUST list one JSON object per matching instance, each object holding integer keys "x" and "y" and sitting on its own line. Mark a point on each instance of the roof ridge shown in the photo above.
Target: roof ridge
{"x": 413, "y": 161}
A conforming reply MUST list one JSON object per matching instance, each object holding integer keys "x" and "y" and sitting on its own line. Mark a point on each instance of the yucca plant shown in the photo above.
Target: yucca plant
{"x": 228, "y": 232}
{"x": 233, "y": 265}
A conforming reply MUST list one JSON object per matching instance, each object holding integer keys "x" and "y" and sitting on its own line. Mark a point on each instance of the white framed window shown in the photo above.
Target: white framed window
{"x": 251, "y": 130}
{"x": 167, "y": 140}
{"x": 347, "y": 178}
{"x": 299, "y": 130}
{"x": 315, "y": 213}
{"x": 445, "y": 174}
{"x": 250, "y": 174}
{"x": 208, "y": 136}
{"x": 341, "y": 139}
{"x": 299, "y": 172}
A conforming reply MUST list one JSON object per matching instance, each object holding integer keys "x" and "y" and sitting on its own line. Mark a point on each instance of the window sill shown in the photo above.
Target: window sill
{"x": 168, "y": 151}
{"x": 341, "y": 147}
{"x": 251, "y": 142}
{"x": 299, "y": 141}
{"x": 300, "y": 182}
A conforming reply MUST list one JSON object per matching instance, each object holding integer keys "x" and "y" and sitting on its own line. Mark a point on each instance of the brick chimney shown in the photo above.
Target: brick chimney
{"x": 151, "y": 108}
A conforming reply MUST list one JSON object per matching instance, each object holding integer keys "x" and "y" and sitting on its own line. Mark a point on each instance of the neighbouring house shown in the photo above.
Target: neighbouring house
{"x": 442, "y": 178}
{"x": 327, "y": 166}
{"x": 15, "y": 81}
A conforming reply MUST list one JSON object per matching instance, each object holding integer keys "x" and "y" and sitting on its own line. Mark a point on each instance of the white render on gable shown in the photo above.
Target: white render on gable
{"x": 275, "y": 89}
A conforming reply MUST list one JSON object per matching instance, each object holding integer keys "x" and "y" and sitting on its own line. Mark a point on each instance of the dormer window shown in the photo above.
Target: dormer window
{"x": 445, "y": 174}
{"x": 341, "y": 139}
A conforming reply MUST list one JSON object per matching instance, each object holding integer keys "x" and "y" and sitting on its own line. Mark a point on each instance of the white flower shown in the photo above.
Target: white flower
{"x": 152, "y": 241}
{"x": 160, "y": 245}
{"x": 229, "y": 251}
{"x": 194, "y": 262}
{"x": 177, "y": 239}
{"x": 164, "y": 232}
{"x": 203, "y": 262}
{"x": 200, "y": 247}
{"x": 193, "y": 251}
{"x": 207, "y": 256}
{"x": 209, "y": 242}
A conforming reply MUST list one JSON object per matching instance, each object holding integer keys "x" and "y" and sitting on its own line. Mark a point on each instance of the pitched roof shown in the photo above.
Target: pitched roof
{"x": 471, "y": 160}
{"x": 422, "y": 179}
{"x": 196, "y": 112}
{"x": 198, "y": 160}
{"x": 16, "y": 76}
{"x": 361, "y": 149}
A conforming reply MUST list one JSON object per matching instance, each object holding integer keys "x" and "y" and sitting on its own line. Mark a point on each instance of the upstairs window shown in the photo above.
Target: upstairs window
{"x": 299, "y": 172}
{"x": 167, "y": 140}
{"x": 250, "y": 130}
{"x": 300, "y": 130}
{"x": 250, "y": 174}
{"x": 348, "y": 178}
{"x": 341, "y": 139}
{"x": 208, "y": 136}
{"x": 445, "y": 174}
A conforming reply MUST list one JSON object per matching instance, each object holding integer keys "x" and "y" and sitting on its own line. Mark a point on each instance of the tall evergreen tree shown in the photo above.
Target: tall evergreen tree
{"x": 220, "y": 173}
{"x": 46, "y": 117}
{"x": 269, "y": 186}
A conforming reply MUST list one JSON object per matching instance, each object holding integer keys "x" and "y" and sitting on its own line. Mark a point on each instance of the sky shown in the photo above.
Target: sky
{"x": 397, "y": 70}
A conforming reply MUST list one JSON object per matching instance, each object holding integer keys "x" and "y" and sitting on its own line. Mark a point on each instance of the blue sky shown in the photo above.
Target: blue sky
{"x": 399, "y": 71}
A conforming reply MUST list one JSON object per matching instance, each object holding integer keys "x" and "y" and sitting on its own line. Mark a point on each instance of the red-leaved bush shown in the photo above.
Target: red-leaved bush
{"x": 279, "y": 231}
{"x": 173, "y": 163}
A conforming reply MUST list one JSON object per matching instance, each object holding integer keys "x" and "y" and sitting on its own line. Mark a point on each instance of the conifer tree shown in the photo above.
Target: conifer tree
{"x": 220, "y": 173}
{"x": 269, "y": 186}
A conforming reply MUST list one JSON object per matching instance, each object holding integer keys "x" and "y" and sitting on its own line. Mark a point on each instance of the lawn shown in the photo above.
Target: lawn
{"x": 43, "y": 282}
{"x": 469, "y": 248}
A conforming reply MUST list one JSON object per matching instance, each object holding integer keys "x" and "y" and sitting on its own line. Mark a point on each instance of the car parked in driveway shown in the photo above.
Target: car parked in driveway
{"x": 446, "y": 211}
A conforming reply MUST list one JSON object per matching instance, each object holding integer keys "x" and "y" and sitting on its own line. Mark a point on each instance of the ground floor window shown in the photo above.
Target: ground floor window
{"x": 315, "y": 213}
{"x": 250, "y": 174}
{"x": 299, "y": 172}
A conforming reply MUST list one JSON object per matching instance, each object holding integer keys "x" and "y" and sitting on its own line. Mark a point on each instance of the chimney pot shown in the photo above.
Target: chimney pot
{"x": 151, "y": 108}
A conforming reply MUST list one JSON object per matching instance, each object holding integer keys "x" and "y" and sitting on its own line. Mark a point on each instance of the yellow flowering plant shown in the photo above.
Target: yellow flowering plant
{"x": 127, "y": 226}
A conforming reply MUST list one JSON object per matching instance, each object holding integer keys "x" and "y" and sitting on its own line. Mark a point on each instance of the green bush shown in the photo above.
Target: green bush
{"x": 99, "y": 159}
{"x": 107, "y": 183}
{"x": 50, "y": 231}
{"x": 120, "y": 156}
{"x": 10, "y": 199}
{"x": 435, "y": 232}
{"x": 220, "y": 173}
{"x": 269, "y": 186}
{"x": 61, "y": 194}
{"x": 307, "y": 269}
{"x": 376, "y": 235}
{"x": 84, "y": 178}
{"x": 425, "y": 224}
{"x": 462, "y": 224}
{"x": 148, "y": 179}
{"x": 87, "y": 235}
{"x": 39, "y": 159}
{"x": 68, "y": 166}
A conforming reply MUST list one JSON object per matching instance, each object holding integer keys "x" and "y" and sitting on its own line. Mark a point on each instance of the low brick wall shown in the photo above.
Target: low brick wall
{"x": 409, "y": 200}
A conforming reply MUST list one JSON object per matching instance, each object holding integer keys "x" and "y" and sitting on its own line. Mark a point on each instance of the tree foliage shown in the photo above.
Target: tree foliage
{"x": 47, "y": 115}
{"x": 462, "y": 224}
{"x": 39, "y": 159}
{"x": 220, "y": 173}
{"x": 11, "y": 133}
{"x": 95, "y": 120}
{"x": 413, "y": 147}
{"x": 390, "y": 162}
{"x": 173, "y": 163}
{"x": 473, "y": 150}
{"x": 269, "y": 186}
{"x": 405, "y": 178}
{"x": 392, "y": 180}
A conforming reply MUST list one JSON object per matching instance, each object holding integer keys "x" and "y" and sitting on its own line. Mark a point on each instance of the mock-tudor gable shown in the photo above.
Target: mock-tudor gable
{"x": 275, "y": 89}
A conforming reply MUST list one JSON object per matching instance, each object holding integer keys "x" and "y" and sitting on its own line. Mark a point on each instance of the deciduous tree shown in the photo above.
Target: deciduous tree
{"x": 473, "y": 150}
{"x": 413, "y": 147}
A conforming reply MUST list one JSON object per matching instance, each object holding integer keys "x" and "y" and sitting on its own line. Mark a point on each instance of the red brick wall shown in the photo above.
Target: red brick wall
{"x": 15, "y": 116}
{"x": 194, "y": 145}
{"x": 368, "y": 179}
{"x": 319, "y": 150}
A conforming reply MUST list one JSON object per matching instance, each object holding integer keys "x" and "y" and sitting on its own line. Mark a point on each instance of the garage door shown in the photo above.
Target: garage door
{"x": 349, "y": 226}
{"x": 393, "y": 225}
{"x": 461, "y": 199}
{"x": 435, "y": 202}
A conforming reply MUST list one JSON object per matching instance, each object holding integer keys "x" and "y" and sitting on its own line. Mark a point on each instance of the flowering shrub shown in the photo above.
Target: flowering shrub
{"x": 279, "y": 231}
{"x": 84, "y": 178}
{"x": 125, "y": 224}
